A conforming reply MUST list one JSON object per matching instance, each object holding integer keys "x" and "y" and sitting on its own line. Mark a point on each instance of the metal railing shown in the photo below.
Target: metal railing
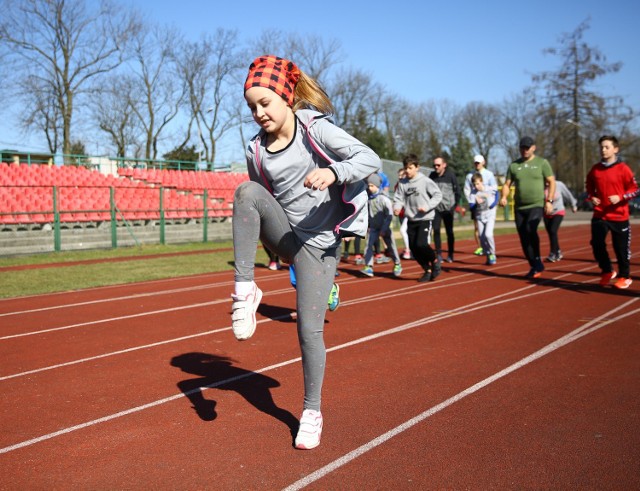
{"x": 119, "y": 212}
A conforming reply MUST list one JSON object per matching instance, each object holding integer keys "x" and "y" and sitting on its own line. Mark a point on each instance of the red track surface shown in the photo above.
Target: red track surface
{"x": 478, "y": 380}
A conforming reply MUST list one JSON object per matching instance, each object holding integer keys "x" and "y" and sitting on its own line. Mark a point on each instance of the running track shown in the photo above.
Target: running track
{"x": 478, "y": 380}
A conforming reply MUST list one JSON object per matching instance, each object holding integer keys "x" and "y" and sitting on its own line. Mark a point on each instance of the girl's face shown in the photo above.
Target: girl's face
{"x": 268, "y": 109}
{"x": 478, "y": 185}
{"x": 411, "y": 171}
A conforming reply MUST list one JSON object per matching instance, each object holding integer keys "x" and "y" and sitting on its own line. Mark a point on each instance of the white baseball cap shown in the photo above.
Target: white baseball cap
{"x": 478, "y": 158}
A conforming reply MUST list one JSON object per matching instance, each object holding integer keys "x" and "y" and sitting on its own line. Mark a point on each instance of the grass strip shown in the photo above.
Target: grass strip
{"x": 169, "y": 263}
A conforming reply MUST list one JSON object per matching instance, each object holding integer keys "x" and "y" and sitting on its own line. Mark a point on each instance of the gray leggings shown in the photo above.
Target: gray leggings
{"x": 258, "y": 216}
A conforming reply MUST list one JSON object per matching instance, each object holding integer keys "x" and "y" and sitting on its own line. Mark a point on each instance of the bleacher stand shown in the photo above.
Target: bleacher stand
{"x": 26, "y": 194}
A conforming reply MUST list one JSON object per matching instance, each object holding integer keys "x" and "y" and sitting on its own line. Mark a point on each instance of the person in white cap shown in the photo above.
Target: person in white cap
{"x": 490, "y": 182}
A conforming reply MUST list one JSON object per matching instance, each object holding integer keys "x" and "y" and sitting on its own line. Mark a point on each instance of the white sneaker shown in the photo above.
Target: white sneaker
{"x": 243, "y": 313}
{"x": 310, "y": 430}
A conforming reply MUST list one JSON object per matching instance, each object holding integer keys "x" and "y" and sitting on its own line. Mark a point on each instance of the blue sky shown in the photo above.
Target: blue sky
{"x": 459, "y": 50}
{"x": 421, "y": 50}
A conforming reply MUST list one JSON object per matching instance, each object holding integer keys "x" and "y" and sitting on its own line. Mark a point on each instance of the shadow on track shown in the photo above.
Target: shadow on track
{"x": 218, "y": 372}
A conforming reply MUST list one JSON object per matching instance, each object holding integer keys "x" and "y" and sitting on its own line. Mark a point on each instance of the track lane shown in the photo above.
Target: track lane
{"x": 130, "y": 434}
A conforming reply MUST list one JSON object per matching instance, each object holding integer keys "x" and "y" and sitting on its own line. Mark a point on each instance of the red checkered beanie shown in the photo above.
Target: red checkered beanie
{"x": 274, "y": 73}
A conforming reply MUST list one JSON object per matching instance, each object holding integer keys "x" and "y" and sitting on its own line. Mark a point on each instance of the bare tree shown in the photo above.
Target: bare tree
{"x": 417, "y": 129}
{"x": 390, "y": 115}
{"x": 518, "y": 118}
{"x": 113, "y": 112}
{"x": 313, "y": 55}
{"x": 62, "y": 46}
{"x": 211, "y": 69}
{"x": 483, "y": 126}
{"x": 43, "y": 114}
{"x": 569, "y": 100}
{"x": 158, "y": 89}
{"x": 350, "y": 93}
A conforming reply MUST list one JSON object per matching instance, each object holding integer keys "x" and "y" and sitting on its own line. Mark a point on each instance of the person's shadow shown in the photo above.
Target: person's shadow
{"x": 218, "y": 372}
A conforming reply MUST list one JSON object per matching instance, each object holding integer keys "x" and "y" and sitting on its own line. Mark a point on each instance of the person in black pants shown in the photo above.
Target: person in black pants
{"x": 563, "y": 199}
{"x": 447, "y": 181}
{"x": 529, "y": 174}
{"x": 611, "y": 184}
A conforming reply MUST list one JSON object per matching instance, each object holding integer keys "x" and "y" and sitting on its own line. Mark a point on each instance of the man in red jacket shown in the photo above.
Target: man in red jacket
{"x": 610, "y": 186}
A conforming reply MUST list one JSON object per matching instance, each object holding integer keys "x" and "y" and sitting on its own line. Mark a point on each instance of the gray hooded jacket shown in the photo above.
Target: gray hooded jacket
{"x": 319, "y": 218}
{"x": 419, "y": 192}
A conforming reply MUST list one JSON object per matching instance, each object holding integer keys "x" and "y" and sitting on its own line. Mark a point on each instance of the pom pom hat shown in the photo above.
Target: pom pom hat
{"x": 275, "y": 73}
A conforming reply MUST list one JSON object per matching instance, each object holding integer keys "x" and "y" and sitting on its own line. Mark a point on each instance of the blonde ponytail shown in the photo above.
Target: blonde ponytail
{"x": 309, "y": 94}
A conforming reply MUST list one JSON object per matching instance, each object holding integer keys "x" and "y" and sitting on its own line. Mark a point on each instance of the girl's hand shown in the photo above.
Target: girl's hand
{"x": 320, "y": 179}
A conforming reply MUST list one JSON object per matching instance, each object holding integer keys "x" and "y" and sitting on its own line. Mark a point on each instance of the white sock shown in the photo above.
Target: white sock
{"x": 243, "y": 288}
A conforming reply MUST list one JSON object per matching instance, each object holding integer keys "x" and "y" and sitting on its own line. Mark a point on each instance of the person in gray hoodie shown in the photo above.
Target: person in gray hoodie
{"x": 419, "y": 196}
{"x": 552, "y": 221}
{"x": 306, "y": 192}
{"x": 380, "y": 218}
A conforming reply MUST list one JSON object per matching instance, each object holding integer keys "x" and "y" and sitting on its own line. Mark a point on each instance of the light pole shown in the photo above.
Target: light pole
{"x": 584, "y": 159}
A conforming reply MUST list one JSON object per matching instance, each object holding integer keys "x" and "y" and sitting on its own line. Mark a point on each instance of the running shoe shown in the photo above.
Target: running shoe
{"x": 359, "y": 259}
{"x": 425, "y": 277}
{"x": 437, "y": 269}
{"x": 310, "y": 430}
{"x": 607, "y": 277}
{"x": 552, "y": 258}
{"x": 536, "y": 271}
{"x": 334, "y": 297}
{"x": 367, "y": 271}
{"x": 274, "y": 266}
{"x": 243, "y": 313}
{"x": 491, "y": 259}
{"x": 479, "y": 251}
{"x": 397, "y": 270}
{"x": 382, "y": 259}
{"x": 406, "y": 254}
{"x": 622, "y": 283}
{"x": 559, "y": 255}
{"x": 449, "y": 258}
{"x": 533, "y": 273}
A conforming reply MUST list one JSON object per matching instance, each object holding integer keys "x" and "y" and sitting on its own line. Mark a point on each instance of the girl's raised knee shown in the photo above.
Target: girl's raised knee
{"x": 246, "y": 189}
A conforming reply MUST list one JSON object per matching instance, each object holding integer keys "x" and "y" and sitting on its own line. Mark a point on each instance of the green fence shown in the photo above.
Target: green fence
{"x": 55, "y": 206}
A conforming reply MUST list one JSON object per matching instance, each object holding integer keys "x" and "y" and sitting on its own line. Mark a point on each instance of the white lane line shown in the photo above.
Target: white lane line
{"x": 288, "y": 362}
{"x": 113, "y": 319}
{"x": 136, "y": 409}
{"x": 592, "y": 326}
{"x": 129, "y": 316}
{"x": 115, "y": 286}
{"x": 117, "y": 299}
{"x": 141, "y": 314}
{"x": 137, "y": 295}
{"x": 206, "y": 333}
{"x": 129, "y": 350}
{"x": 215, "y": 331}
{"x": 387, "y": 294}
